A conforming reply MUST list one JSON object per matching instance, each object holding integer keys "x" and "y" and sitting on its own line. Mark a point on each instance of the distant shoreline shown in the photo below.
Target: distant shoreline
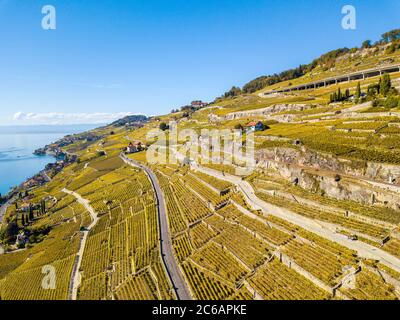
{"x": 38, "y": 129}
{"x": 66, "y": 130}
{"x": 14, "y": 189}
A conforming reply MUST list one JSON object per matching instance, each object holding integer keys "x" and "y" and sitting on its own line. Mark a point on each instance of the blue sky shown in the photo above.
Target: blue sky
{"x": 111, "y": 57}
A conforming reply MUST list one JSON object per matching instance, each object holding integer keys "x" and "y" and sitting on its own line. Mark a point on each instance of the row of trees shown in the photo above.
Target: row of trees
{"x": 391, "y": 36}
{"x": 387, "y": 37}
{"x": 235, "y": 91}
{"x": 190, "y": 108}
{"x": 383, "y": 88}
{"x": 338, "y": 96}
{"x": 30, "y": 215}
{"x": 22, "y": 221}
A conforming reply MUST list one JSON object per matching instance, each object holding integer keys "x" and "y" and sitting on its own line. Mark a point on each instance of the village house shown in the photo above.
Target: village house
{"x": 255, "y": 126}
{"x": 35, "y": 181}
{"x": 134, "y": 147}
{"x": 198, "y": 103}
{"x": 22, "y": 239}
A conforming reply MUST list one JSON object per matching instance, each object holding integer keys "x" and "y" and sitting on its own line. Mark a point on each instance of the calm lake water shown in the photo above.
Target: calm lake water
{"x": 17, "y": 163}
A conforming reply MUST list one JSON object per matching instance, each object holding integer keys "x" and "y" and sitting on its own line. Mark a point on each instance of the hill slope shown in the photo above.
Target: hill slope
{"x": 318, "y": 208}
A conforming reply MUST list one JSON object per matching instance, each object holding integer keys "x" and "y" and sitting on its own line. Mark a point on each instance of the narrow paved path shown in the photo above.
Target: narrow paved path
{"x": 180, "y": 286}
{"x": 76, "y": 276}
{"x": 323, "y": 229}
{"x": 4, "y": 206}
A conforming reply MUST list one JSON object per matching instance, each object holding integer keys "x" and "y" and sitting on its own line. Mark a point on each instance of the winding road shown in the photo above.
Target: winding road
{"x": 76, "y": 275}
{"x": 179, "y": 284}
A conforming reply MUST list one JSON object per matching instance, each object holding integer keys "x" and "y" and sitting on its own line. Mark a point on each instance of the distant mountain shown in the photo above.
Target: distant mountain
{"x": 129, "y": 120}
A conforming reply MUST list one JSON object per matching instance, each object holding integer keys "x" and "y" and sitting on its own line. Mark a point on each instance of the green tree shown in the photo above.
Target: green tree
{"x": 11, "y": 232}
{"x": 385, "y": 85}
{"x": 358, "y": 91}
{"x": 42, "y": 207}
{"x": 163, "y": 126}
{"x": 391, "y": 49}
{"x": 391, "y": 36}
{"x": 373, "y": 90}
{"x": 366, "y": 44}
{"x": 235, "y": 91}
{"x": 31, "y": 213}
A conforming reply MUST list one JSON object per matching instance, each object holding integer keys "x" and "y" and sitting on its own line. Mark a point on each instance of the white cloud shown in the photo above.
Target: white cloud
{"x": 67, "y": 118}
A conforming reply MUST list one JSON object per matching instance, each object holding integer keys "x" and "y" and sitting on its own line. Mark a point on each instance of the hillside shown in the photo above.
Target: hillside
{"x": 336, "y": 62}
{"x": 317, "y": 213}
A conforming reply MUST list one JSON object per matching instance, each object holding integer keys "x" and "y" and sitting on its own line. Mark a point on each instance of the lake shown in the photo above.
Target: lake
{"x": 17, "y": 143}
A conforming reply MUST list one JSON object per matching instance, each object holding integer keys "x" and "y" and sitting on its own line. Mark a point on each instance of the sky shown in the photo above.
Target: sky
{"x": 110, "y": 58}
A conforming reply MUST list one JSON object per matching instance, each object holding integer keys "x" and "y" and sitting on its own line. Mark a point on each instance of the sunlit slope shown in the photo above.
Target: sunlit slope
{"x": 121, "y": 258}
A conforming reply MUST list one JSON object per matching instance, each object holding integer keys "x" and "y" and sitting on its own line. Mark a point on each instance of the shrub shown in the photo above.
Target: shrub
{"x": 10, "y": 232}
{"x": 391, "y": 49}
{"x": 163, "y": 126}
{"x": 392, "y": 102}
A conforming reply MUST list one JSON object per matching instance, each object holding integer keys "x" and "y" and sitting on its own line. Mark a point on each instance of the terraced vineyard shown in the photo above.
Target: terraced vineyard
{"x": 225, "y": 249}
{"x": 393, "y": 247}
{"x": 193, "y": 208}
{"x": 125, "y": 242}
{"x": 220, "y": 262}
{"x": 322, "y": 264}
{"x": 265, "y": 182}
{"x": 204, "y": 286}
{"x": 205, "y": 192}
{"x": 274, "y": 280}
{"x": 119, "y": 248}
{"x": 182, "y": 247}
{"x": 220, "y": 185}
{"x": 231, "y": 247}
{"x": 36, "y": 288}
{"x": 315, "y": 217}
{"x": 369, "y": 286}
{"x": 176, "y": 218}
{"x": 272, "y": 235}
{"x": 47, "y": 266}
{"x": 376, "y": 232}
{"x": 245, "y": 247}
{"x": 138, "y": 287}
{"x": 342, "y": 138}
